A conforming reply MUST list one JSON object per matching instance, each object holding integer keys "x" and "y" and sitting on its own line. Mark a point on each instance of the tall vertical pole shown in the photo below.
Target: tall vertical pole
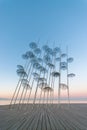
{"x": 67, "y": 77}
{"x": 59, "y": 78}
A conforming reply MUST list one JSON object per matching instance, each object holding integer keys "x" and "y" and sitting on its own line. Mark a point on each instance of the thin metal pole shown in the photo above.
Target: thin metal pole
{"x": 44, "y": 97}
{"x": 29, "y": 94}
{"x": 59, "y": 78}
{"x": 14, "y": 93}
{"x": 24, "y": 86}
{"x": 16, "y": 89}
{"x": 19, "y": 89}
{"x": 21, "y": 99}
{"x": 42, "y": 87}
{"x": 67, "y": 77}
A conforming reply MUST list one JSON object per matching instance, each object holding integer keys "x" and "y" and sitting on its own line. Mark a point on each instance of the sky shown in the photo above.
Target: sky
{"x": 61, "y": 21}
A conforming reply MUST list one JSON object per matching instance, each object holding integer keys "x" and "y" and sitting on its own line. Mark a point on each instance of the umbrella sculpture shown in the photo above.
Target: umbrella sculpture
{"x": 43, "y": 66}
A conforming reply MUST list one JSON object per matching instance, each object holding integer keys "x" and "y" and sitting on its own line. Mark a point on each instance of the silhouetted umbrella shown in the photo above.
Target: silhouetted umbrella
{"x": 56, "y": 49}
{"x": 39, "y": 67}
{"x": 52, "y": 66}
{"x": 25, "y": 56}
{"x": 39, "y": 60}
{"x": 45, "y": 47}
{"x": 42, "y": 69}
{"x": 41, "y": 79}
{"x": 36, "y": 65}
{"x": 36, "y": 75}
{"x": 58, "y": 59}
{"x": 42, "y": 85}
{"x": 63, "y": 65}
{"x": 69, "y": 60}
{"x": 63, "y": 55}
{"x": 48, "y": 50}
{"x": 21, "y": 72}
{"x": 30, "y": 54}
{"x": 47, "y": 59}
{"x": 47, "y": 89}
{"x": 71, "y": 75}
{"x": 33, "y": 45}
{"x": 26, "y": 85}
{"x": 20, "y": 67}
{"x": 24, "y": 80}
{"x": 34, "y": 60}
{"x": 63, "y": 86}
{"x": 37, "y": 51}
{"x": 55, "y": 74}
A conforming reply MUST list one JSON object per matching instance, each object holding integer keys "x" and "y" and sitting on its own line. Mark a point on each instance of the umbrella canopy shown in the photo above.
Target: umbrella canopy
{"x": 26, "y": 85}
{"x": 71, "y": 75}
{"x": 45, "y": 47}
{"x": 47, "y": 58}
{"x": 63, "y": 65}
{"x": 40, "y": 60}
{"x": 52, "y": 66}
{"x": 37, "y": 51}
{"x": 25, "y": 56}
{"x": 32, "y": 45}
{"x": 40, "y": 79}
{"x": 69, "y": 60}
{"x": 56, "y": 49}
{"x": 30, "y": 54}
{"x": 63, "y": 86}
{"x": 48, "y": 89}
{"x": 20, "y": 67}
{"x": 42, "y": 85}
{"x": 58, "y": 59}
{"x": 24, "y": 81}
{"x": 36, "y": 75}
{"x": 55, "y": 74}
{"x": 63, "y": 55}
{"x": 21, "y": 72}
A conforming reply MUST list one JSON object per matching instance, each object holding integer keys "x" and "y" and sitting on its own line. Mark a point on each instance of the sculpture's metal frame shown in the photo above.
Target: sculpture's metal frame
{"x": 42, "y": 67}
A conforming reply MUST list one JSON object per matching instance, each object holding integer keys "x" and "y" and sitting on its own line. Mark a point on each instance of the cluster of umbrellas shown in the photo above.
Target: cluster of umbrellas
{"x": 42, "y": 67}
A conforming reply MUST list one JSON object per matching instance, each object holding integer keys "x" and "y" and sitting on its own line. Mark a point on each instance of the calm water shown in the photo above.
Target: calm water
{"x": 6, "y": 102}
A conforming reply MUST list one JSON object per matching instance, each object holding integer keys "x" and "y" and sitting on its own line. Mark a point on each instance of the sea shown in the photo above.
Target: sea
{"x": 7, "y": 102}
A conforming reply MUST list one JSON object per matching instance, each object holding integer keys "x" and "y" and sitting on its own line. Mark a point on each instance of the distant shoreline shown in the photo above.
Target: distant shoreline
{"x": 6, "y": 101}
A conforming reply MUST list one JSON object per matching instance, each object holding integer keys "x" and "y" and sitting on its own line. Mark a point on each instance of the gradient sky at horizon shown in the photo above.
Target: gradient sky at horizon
{"x": 61, "y": 21}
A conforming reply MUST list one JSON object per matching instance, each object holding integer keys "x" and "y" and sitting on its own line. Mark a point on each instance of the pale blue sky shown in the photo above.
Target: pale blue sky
{"x": 23, "y": 21}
